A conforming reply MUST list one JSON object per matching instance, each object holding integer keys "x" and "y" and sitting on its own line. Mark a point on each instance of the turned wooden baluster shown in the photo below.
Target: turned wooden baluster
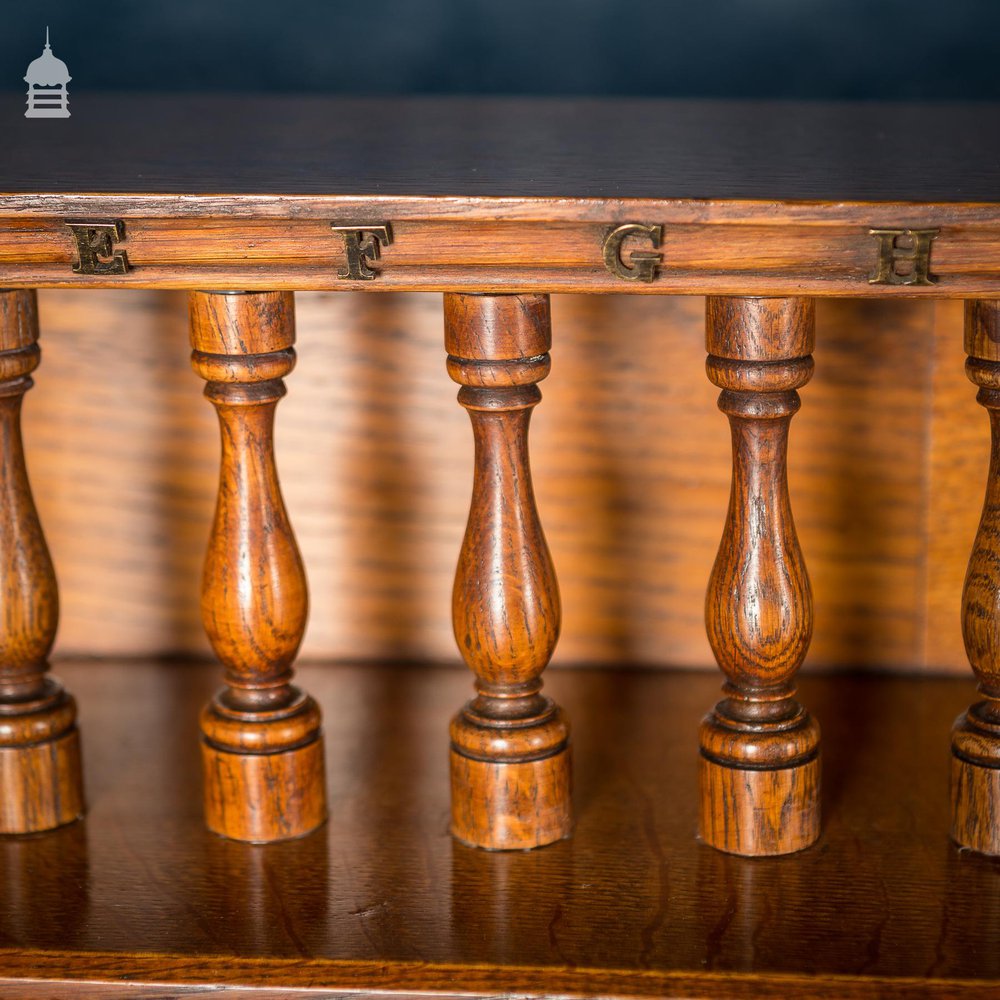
{"x": 41, "y": 784}
{"x": 262, "y": 747}
{"x": 759, "y": 748}
{"x": 975, "y": 738}
{"x": 510, "y": 754}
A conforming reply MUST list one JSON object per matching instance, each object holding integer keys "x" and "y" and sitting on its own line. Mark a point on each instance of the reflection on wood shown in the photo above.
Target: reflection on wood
{"x": 382, "y": 894}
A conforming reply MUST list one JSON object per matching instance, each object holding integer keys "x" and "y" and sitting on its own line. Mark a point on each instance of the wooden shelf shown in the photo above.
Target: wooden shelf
{"x": 140, "y": 900}
{"x": 488, "y": 195}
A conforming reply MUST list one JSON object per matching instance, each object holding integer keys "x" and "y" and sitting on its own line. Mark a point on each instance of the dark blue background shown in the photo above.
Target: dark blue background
{"x": 753, "y": 48}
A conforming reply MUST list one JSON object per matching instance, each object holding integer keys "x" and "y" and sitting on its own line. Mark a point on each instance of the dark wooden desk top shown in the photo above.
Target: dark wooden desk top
{"x": 504, "y": 195}
{"x": 381, "y": 898}
{"x": 520, "y": 148}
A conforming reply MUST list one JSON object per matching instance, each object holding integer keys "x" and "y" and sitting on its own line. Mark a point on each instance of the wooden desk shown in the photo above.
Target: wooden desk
{"x": 762, "y": 208}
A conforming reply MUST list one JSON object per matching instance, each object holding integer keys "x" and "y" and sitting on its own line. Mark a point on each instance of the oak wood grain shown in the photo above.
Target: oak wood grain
{"x": 956, "y": 468}
{"x": 975, "y": 743}
{"x": 760, "y": 767}
{"x": 495, "y": 245}
{"x": 493, "y": 195}
{"x": 142, "y": 898}
{"x": 374, "y": 459}
{"x": 40, "y": 772}
{"x": 510, "y": 745}
{"x": 261, "y": 742}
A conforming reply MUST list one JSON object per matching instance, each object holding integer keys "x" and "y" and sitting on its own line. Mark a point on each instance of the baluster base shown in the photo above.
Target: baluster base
{"x": 511, "y": 780}
{"x": 760, "y": 785}
{"x": 41, "y": 777}
{"x": 975, "y": 783}
{"x": 264, "y": 773}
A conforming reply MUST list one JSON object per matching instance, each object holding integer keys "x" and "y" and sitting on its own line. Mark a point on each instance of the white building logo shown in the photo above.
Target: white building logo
{"x": 47, "y": 77}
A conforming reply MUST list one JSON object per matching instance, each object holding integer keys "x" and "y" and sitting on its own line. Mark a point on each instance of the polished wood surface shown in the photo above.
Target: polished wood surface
{"x": 493, "y": 195}
{"x": 511, "y": 767}
{"x": 760, "y": 766}
{"x": 886, "y": 476}
{"x": 525, "y": 148}
{"x": 383, "y": 897}
{"x": 261, "y": 744}
{"x": 40, "y": 776}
